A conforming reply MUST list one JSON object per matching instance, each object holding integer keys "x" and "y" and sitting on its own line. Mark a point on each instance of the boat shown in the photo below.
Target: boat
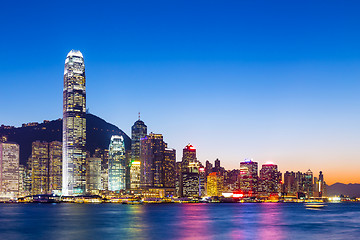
{"x": 314, "y": 204}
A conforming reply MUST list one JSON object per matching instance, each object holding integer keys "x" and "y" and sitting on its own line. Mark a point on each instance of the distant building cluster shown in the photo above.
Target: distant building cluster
{"x": 148, "y": 170}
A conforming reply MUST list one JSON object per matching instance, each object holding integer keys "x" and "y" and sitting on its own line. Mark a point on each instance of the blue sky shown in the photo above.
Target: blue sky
{"x": 270, "y": 80}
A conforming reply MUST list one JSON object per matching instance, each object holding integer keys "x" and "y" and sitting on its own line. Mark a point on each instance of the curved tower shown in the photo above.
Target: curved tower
{"x": 74, "y": 125}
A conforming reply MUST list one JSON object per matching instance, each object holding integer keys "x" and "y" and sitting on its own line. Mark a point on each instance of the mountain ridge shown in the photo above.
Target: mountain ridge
{"x": 98, "y": 134}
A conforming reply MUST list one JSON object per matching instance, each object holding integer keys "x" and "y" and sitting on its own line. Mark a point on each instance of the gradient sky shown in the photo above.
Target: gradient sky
{"x": 269, "y": 80}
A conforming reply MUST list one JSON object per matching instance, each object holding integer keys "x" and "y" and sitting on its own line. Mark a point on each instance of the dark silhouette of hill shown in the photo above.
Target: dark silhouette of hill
{"x": 351, "y": 190}
{"x": 98, "y": 134}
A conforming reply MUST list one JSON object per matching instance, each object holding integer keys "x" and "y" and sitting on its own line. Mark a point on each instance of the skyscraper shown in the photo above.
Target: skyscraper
{"x": 117, "y": 163}
{"x": 93, "y": 175}
{"x": 189, "y": 155}
{"x": 248, "y": 176}
{"x": 169, "y": 167}
{"x": 270, "y": 179}
{"x": 55, "y": 167}
{"x": 46, "y": 167}
{"x": 215, "y": 183}
{"x": 308, "y": 183}
{"x": 135, "y": 175}
{"x": 290, "y": 183}
{"x": 190, "y": 182}
{"x": 138, "y": 131}
{"x": 9, "y": 170}
{"x": 152, "y": 160}
{"x": 74, "y": 125}
{"x": 39, "y": 168}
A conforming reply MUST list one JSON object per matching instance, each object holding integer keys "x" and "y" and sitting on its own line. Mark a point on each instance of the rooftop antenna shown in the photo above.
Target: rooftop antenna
{"x": 139, "y": 115}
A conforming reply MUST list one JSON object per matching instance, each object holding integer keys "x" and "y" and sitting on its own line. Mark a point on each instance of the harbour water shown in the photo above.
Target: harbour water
{"x": 179, "y": 221}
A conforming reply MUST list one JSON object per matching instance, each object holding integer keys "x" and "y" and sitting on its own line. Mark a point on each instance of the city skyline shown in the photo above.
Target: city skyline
{"x": 296, "y": 109}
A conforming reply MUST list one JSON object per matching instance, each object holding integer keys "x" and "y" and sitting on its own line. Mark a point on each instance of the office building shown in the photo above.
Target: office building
{"x": 290, "y": 183}
{"x": 215, "y": 184}
{"x": 138, "y": 131}
{"x": 55, "y": 167}
{"x": 135, "y": 174}
{"x": 74, "y": 125}
{"x": 248, "y": 177}
{"x": 93, "y": 175}
{"x": 39, "y": 161}
{"x": 270, "y": 179}
{"x": 9, "y": 170}
{"x": 169, "y": 168}
{"x": 117, "y": 164}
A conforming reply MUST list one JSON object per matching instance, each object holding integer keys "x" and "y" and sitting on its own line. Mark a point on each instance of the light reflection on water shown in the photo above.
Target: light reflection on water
{"x": 178, "y": 221}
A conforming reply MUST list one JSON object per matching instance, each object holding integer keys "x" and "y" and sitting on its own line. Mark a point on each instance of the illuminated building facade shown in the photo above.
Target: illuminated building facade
{"x": 308, "y": 183}
{"x": 55, "y": 167}
{"x": 191, "y": 180}
{"x": 74, "y": 125}
{"x": 189, "y": 155}
{"x": 138, "y": 131}
{"x": 270, "y": 179}
{"x": 22, "y": 177}
{"x": 152, "y": 160}
{"x": 248, "y": 178}
{"x": 9, "y": 170}
{"x": 178, "y": 183}
{"x": 135, "y": 175}
{"x": 117, "y": 163}
{"x": 215, "y": 184}
{"x": 93, "y": 175}
{"x": 169, "y": 167}
{"x": 39, "y": 168}
{"x": 319, "y": 186}
{"x": 290, "y": 183}
{"x": 46, "y": 167}
{"x": 103, "y": 154}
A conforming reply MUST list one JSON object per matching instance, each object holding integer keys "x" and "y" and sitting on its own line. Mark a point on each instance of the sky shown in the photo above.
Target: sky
{"x": 269, "y": 80}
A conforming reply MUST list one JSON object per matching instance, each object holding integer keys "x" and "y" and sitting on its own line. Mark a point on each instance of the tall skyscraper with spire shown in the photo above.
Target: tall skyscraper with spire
{"x": 74, "y": 125}
{"x": 138, "y": 131}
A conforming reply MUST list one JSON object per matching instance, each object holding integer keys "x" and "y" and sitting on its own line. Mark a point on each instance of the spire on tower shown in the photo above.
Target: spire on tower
{"x": 139, "y": 115}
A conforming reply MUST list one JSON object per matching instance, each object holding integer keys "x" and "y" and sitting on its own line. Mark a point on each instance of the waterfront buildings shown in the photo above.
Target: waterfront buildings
{"x": 22, "y": 177}
{"x": 93, "y": 175}
{"x": 55, "y": 167}
{"x": 270, "y": 179}
{"x": 74, "y": 125}
{"x": 138, "y": 131}
{"x": 46, "y": 167}
{"x": 152, "y": 160}
{"x": 135, "y": 174}
{"x": 215, "y": 184}
{"x": 190, "y": 181}
{"x": 319, "y": 186}
{"x": 103, "y": 154}
{"x": 248, "y": 178}
{"x": 169, "y": 167}
{"x": 290, "y": 183}
{"x": 308, "y": 183}
{"x": 117, "y": 164}
{"x": 9, "y": 170}
{"x": 39, "y": 162}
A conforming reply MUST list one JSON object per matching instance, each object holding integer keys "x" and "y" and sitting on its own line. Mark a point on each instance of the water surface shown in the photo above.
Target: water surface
{"x": 179, "y": 221}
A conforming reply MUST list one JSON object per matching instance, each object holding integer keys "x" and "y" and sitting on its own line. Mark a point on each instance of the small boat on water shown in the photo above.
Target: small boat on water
{"x": 314, "y": 204}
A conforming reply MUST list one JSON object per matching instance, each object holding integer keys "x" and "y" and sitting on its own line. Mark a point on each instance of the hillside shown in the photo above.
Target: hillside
{"x": 98, "y": 134}
{"x": 352, "y": 190}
